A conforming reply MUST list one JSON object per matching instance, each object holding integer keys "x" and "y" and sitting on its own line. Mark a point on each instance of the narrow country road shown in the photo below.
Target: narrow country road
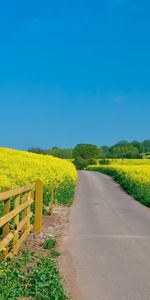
{"x": 109, "y": 241}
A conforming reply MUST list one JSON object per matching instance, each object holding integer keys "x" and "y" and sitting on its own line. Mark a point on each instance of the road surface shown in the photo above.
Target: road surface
{"x": 109, "y": 241}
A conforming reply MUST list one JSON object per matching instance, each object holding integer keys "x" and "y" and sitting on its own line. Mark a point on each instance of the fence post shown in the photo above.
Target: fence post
{"x": 52, "y": 199}
{"x": 38, "y": 205}
{"x": 16, "y": 222}
{"x": 6, "y": 226}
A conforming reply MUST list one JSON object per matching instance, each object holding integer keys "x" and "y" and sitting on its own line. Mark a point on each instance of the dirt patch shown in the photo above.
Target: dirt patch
{"x": 56, "y": 226}
{"x": 53, "y": 227}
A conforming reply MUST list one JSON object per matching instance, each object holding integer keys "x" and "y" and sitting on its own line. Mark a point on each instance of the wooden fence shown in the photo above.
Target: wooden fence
{"x": 16, "y": 220}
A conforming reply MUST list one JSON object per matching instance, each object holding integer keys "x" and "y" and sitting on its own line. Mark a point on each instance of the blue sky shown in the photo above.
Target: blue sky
{"x": 74, "y": 71}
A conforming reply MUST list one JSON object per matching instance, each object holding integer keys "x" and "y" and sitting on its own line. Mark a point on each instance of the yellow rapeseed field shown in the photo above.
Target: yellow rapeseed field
{"x": 18, "y": 168}
{"x": 133, "y": 175}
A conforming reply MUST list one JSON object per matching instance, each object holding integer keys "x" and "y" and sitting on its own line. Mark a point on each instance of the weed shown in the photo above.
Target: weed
{"x": 49, "y": 243}
{"x": 42, "y": 282}
{"x": 54, "y": 254}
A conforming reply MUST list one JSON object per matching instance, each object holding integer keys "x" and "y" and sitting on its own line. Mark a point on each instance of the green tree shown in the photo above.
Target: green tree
{"x": 37, "y": 150}
{"x": 138, "y": 145}
{"x": 86, "y": 151}
{"x": 122, "y": 143}
{"x": 104, "y": 152}
{"x": 85, "y": 154}
{"x": 61, "y": 152}
{"x": 146, "y": 145}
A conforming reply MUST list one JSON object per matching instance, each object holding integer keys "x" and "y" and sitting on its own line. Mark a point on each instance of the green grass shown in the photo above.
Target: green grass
{"x": 45, "y": 282}
{"x": 54, "y": 254}
{"x": 12, "y": 277}
{"x": 63, "y": 195}
{"x": 49, "y": 243}
{"x": 42, "y": 282}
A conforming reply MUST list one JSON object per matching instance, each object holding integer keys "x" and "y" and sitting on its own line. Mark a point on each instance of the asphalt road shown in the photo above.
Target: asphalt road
{"x": 109, "y": 240}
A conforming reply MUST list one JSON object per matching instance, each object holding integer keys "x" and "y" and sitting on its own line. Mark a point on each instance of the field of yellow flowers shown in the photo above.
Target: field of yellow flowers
{"x": 133, "y": 175}
{"x": 18, "y": 168}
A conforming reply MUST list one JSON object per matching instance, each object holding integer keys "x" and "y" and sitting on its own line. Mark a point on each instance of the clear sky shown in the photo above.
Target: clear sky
{"x": 74, "y": 71}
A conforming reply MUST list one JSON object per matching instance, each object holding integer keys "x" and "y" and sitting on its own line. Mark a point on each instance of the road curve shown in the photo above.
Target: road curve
{"x": 109, "y": 241}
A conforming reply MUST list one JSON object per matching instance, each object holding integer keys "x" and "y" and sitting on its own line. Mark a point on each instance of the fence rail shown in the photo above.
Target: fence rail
{"x": 16, "y": 220}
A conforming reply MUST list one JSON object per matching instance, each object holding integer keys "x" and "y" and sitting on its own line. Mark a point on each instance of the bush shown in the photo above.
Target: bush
{"x": 104, "y": 162}
{"x": 81, "y": 163}
{"x": 92, "y": 162}
{"x": 85, "y": 151}
{"x": 135, "y": 156}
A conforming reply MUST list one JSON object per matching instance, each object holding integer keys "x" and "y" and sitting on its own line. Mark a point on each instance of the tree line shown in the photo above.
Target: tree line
{"x": 134, "y": 149}
{"x": 54, "y": 151}
{"x": 84, "y": 154}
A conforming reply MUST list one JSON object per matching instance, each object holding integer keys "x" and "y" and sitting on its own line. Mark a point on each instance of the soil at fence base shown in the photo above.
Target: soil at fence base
{"x": 56, "y": 226}
{"x": 53, "y": 227}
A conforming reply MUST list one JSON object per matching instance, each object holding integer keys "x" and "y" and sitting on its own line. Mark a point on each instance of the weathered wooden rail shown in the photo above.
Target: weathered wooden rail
{"x": 16, "y": 222}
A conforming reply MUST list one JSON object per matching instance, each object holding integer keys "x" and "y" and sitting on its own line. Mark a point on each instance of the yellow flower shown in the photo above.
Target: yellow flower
{"x": 18, "y": 168}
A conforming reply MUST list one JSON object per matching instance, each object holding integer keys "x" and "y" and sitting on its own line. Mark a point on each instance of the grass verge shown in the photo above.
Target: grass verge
{"x": 63, "y": 196}
{"x": 22, "y": 279}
